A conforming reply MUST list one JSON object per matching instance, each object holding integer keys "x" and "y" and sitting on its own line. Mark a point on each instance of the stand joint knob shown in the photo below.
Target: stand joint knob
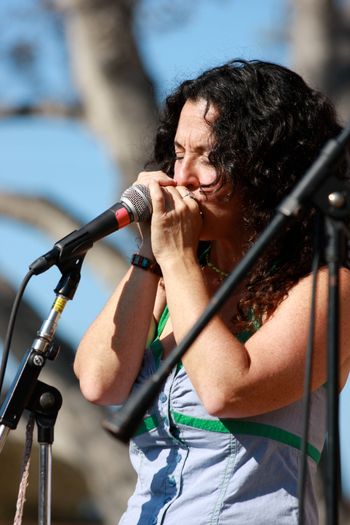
{"x": 336, "y": 199}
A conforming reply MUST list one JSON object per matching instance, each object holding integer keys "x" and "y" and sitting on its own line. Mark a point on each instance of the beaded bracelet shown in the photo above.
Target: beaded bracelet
{"x": 145, "y": 264}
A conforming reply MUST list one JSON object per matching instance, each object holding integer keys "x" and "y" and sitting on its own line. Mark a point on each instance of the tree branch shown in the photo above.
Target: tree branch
{"x": 52, "y": 109}
{"x": 114, "y": 86}
{"x": 47, "y": 216}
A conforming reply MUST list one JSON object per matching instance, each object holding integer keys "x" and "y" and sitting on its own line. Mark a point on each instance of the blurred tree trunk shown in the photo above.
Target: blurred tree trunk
{"x": 320, "y": 44}
{"x": 117, "y": 94}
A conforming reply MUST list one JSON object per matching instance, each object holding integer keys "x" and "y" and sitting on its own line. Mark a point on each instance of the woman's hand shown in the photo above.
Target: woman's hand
{"x": 145, "y": 178}
{"x": 176, "y": 223}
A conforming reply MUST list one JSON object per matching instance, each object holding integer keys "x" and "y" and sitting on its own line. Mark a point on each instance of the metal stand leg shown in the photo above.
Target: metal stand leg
{"x": 42, "y": 400}
{"x": 335, "y": 256}
{"x": 45, "y": 404}
{"x": 45, "y": 484}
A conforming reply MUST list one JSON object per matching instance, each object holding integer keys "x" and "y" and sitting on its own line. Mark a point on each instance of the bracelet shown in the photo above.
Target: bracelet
{"x": 145, "y": 264}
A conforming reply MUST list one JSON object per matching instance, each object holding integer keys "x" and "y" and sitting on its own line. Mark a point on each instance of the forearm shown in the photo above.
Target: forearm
{"x": 216, "y": 358}
{"x": 267, "y": 372}
{"x": 216, "y": 362}
{"x": 110, "y": 353}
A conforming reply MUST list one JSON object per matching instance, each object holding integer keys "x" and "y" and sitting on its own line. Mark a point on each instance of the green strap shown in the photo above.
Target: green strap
{"x": 234, "y": 426}
{"x": 156, "y": 345}
{"x": 251, "y": 428}
{"x": 162, "y": 321}
{"x": 148, "y": 424}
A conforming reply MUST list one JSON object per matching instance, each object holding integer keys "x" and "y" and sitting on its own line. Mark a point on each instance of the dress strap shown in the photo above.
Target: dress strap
{"x": 162, "y": 321}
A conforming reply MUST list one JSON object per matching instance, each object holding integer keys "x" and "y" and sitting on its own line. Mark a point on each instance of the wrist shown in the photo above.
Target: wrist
{"x": 145, "y": 263}
{"x": 177, "y": 265}
{"x": 144, "y": 247}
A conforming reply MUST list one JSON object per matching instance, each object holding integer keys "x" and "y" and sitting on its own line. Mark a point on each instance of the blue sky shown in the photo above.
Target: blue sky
{"x": 66, "y": 162}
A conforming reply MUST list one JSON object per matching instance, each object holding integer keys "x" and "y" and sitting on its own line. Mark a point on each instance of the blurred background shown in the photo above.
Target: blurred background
{"x": 80, "y": 86}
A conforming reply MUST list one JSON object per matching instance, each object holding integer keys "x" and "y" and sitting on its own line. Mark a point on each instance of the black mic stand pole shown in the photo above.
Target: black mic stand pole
{"x": 335, "y": 256}
{"x": 43, "y": 401}
{"x": 332, "y": 477}
{"x": 314, "y": 185}
{"x": 333, "y": 199}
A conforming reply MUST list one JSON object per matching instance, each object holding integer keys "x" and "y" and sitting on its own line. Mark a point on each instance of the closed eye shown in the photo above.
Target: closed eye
{"x": 179, "y": 156}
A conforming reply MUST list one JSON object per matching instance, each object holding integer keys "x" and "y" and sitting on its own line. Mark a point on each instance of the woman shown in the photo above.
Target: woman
{"x": 220, "y": 443}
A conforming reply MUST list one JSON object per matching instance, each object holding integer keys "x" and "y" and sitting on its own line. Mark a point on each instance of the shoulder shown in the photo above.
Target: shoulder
{"x": 288, "y": 327}
{"x": 305, "y": 286}
{"x": 294, "y": 313}
{"x": 322, "y": 287}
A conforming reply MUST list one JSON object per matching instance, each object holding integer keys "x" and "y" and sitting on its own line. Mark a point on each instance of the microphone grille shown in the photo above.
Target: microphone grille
{"x": 138, "y": 199}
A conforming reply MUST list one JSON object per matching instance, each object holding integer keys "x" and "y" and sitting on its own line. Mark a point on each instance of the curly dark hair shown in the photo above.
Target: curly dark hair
{"x": 270, "y": 128}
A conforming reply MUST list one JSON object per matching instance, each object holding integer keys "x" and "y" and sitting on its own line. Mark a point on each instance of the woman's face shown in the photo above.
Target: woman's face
{"x": 193, "y": 143}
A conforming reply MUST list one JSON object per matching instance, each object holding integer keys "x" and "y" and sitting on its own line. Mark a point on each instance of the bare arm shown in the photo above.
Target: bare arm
{"x": 235, "y": 380}
{"x": 109, "y": 356}
{"x": 110, "y": 353}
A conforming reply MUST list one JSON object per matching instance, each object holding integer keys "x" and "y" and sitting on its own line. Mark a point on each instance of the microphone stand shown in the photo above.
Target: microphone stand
{"x": 335, "y": 258}
{"x": 333, "y": 200}
{"x": 28, "y": 393}
{"x": 332, "y": 195}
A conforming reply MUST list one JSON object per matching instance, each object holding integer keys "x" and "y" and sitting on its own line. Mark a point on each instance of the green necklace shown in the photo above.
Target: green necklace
{"x": 221, "y": 273}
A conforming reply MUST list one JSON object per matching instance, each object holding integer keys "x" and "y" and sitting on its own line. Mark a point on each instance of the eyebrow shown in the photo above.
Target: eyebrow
{"x": 198, "y": 149}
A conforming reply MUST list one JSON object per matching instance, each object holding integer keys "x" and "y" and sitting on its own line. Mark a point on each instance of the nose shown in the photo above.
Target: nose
{"x": 186, "y": 173}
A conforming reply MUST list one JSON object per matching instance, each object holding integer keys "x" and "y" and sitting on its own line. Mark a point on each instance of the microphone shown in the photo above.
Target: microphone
{"x": 135, "y": 206}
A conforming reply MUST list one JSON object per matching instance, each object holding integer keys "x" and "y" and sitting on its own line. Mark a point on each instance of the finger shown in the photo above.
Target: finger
{"x": 191, "y": 196}
{"x": 168, "y": 181}
{"x": 185, "y": 194}
{"x": 157, "y": 196}
{"x": 146, "y": 177}
{"x": 174, "y": 199}
{"x": 179, "y": 193}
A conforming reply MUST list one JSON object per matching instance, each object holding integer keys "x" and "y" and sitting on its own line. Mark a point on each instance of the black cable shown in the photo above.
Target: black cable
{"x": 10, "y": 327}
{"x": 308, "y": 375}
